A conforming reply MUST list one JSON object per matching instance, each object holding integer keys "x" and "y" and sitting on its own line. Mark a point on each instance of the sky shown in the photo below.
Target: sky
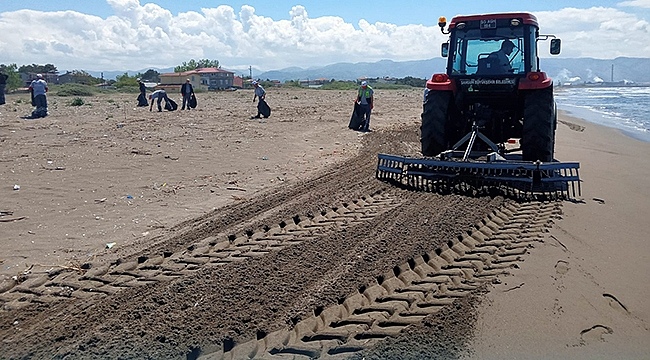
{"x": 110, "y": 35}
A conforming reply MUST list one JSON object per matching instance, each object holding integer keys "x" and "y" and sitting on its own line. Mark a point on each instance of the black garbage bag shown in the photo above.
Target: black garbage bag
{"x": 170, "y": 105}
{"x": 192, "y": 104}
{"x": 264, "y": 108}
{"x": 39, "y": 113}
{"x": 142, "y": 100}
{"x": 356, "y": 120}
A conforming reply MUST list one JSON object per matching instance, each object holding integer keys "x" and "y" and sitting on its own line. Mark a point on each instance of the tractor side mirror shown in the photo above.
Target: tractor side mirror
{"x": 444, "y": 50}
{"x": 555, "y": 46}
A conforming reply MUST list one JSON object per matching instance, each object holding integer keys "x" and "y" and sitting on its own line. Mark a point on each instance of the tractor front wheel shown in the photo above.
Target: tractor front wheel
{"x": 434, "y": 120}
{"x": 538, "y": 134}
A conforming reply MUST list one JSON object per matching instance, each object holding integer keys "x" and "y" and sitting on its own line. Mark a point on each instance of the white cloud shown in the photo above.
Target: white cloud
{"x": 636, "y": 3}
{"x": 597, "y": 32}
{"x": 140, "y": 36}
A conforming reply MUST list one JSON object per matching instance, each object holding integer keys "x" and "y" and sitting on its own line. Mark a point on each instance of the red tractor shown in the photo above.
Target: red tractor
{"x": 494, "y": 83}
{"x": 492, "y": 94}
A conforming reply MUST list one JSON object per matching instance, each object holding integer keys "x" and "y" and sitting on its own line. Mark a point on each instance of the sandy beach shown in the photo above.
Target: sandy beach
{"x": 205, "y": 234}
{"x": 582, "y": 294}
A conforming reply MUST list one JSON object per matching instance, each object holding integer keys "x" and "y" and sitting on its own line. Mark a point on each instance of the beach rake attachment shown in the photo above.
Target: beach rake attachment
{"x": 512, "y": 178}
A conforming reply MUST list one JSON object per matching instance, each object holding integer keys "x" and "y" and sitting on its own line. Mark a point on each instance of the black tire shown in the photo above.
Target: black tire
{"x": 435, "y": 113}
{"x": 538, "y": 134}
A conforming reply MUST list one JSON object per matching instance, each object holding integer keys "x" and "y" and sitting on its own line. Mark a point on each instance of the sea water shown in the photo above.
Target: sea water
{"x": 624, "y": 108}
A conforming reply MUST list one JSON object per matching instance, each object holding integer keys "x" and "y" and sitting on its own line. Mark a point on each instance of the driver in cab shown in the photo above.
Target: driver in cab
{"x": 499, "y": 59}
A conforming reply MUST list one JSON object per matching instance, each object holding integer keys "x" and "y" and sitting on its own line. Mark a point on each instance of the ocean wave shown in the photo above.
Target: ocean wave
{"x": 624, "y": 108}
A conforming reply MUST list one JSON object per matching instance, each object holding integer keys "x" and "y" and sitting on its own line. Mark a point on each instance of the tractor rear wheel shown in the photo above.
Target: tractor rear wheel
{"x": 538, "y": 134}
{"x": 434, "y": 120}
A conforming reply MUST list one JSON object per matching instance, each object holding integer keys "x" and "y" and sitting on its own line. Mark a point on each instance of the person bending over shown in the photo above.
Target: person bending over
{"x": 38, "y": 87}
{"x": 159, "y": 95}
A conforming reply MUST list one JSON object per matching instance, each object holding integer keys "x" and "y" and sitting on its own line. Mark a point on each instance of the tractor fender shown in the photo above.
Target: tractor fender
{"x": 535, "y": 80}
{"x": 441, "y": 82}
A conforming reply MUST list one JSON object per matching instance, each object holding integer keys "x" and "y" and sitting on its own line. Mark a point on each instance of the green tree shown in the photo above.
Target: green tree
{"x": 412, "y": 81}
{"x": 42, "y": 69}
{"x": 193, "y": 65}
{"x": 149, "y": 75}
{"x": 126, "y": 80}
{"x": 13, "y": 81}
{"x": 82, "y": 77}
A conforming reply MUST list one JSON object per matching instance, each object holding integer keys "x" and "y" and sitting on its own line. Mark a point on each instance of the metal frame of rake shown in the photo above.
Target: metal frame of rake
{"x": 482, "y": 173}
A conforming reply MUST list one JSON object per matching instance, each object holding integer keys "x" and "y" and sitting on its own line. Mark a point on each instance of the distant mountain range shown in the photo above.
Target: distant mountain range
{"x": 575, "y": 70}
{"x": 560, "y": 69}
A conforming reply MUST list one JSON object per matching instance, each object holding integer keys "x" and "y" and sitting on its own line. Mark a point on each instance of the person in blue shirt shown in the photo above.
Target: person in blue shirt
{"x": 260, "y": 94}
{"x": 159, "y": 95}
{"x": 38, "y": 88}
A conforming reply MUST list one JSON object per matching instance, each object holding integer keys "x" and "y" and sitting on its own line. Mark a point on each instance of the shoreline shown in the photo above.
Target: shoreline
{"x": 590, "y": 116}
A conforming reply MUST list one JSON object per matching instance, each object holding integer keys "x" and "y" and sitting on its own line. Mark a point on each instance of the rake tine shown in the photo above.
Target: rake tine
{"x": 522, "y": 180}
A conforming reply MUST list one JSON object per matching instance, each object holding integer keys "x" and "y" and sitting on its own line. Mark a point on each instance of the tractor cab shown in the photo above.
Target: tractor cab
{"x": 493, "y": 45}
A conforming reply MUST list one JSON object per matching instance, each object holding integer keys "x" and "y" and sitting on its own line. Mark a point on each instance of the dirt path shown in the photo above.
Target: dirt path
{"x": 327, "y": 262}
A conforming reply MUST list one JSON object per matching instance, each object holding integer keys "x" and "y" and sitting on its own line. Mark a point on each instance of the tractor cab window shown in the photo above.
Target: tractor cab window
{"x": 500, "y": 53}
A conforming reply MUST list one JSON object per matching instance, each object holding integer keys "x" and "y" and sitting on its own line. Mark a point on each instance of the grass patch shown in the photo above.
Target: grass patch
{"x": 77, "y": 102}
{"x": 74, "y": 90}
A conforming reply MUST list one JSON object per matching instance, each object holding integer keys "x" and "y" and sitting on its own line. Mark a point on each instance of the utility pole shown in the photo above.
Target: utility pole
{"x": 250, "y": 71}
{"x": 612, "y": 73}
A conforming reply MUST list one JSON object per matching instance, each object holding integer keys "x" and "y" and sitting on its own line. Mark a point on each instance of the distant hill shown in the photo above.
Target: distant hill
{"x": 351, "y": 71}
{"x": 560, "y": 69}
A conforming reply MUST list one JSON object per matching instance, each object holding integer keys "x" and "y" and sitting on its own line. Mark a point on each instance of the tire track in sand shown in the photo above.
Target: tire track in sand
{"x": 411, "y": 292}
{"x": 217, "y": 250}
